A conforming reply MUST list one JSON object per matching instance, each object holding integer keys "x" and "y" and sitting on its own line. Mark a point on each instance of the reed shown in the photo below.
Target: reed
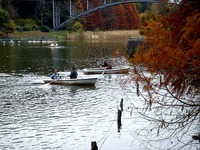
{"x": 103, "y": 35}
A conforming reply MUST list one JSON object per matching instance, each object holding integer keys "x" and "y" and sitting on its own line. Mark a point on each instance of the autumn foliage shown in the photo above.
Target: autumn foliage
{"x": 95, "y": 19}
{"x": 167, "y": 69}
{"x": 119, "y": 17}
{"x": 172, "y": 46}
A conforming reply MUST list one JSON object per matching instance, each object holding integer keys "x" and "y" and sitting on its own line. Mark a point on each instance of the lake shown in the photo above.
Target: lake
{"x": 38, "y": 116}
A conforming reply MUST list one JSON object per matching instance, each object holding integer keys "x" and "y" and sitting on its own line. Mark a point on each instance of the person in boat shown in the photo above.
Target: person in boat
{"x": 73, "y": 73}
{"x": 54, "y": 44}
{"x": 55, "y": 74}
{"x": 107, "y": 65}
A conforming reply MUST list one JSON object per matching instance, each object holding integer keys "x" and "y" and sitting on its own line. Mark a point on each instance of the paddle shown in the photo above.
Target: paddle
{"x": 55, "y": 80}
{"x": 103, "y": 71}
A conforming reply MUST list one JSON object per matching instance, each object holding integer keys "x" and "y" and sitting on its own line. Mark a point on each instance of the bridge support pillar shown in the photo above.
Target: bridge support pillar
{"x": 56, "y": 13}
{"x": 89, "y": 4}
{"x": 107, "y": 2}
{"x": 72, "y": 8}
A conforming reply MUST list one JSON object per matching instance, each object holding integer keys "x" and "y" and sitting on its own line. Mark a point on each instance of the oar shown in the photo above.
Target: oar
{"x": 48, "y": 83}
{"x": 103, "y": 71}
{"x": 17, "y": 75}
{"x": 55, "y": 80}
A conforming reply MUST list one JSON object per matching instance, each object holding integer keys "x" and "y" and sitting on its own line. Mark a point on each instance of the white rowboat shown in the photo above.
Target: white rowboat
{"x": 54, "y": 45}
{"x": 114, "y": 70}
{"x": 77, "y": 81}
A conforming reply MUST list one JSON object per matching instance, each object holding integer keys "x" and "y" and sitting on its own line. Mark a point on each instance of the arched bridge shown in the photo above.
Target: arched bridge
{"x": 73, "y": 12}
{"x": 59, "y": 26}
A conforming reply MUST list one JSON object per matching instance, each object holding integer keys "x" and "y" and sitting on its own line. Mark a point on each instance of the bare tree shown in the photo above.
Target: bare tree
{"x": 40, "y": 11}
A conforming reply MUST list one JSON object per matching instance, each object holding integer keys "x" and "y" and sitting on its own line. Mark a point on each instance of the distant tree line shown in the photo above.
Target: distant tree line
{"x": 37, "y": 15}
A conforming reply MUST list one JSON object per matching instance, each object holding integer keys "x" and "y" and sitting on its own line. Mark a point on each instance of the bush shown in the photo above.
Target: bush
{"x": 75, "y": 26}
{"x": 45, "y": 29}
{"x": 19, "y": 28}
{"x": 27, "y": 27}
{"x": 35, "y": 27}
{"x": 26, "y": 24}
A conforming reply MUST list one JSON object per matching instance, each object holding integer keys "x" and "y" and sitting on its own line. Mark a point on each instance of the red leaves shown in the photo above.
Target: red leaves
{"x": 173, "y": 48}
{"x": 119, "y": 17}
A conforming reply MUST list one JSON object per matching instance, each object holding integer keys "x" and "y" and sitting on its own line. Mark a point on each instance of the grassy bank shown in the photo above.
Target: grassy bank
{"x": 29, "y": 34}
{"x": 36, "y": 35}
{"x": 107, "y": 35}
{"x": 65, "y": 35}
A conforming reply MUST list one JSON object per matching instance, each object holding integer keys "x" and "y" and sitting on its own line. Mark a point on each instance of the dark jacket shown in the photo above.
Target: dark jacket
{"x": 73, "y": 74}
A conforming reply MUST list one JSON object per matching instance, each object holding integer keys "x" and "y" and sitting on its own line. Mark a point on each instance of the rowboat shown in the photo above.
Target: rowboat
{"x": 11, "y": 42}
{"x": 114, "y": 70}
{"x": 67, "y": 80}
{"x": 54, "y": 45}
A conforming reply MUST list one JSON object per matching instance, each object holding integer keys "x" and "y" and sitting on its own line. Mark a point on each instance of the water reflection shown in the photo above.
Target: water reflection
{"x": 39, "y": 58}
{"x": 34, "y": 115}
{"x": 39, "y": 116}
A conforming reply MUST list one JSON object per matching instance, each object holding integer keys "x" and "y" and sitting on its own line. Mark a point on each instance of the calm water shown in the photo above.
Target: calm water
{"x": 40, "y": 58}
{"x": 38, "y": 116}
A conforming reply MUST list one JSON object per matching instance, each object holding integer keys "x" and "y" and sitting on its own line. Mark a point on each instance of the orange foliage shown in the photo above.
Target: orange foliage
{"x": 95, "y": 19}
{"x": 172, "y": 47}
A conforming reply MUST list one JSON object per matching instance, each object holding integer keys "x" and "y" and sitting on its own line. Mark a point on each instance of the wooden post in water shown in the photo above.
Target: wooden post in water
{"x": 94, "y": 145}
{"x": 137, "y": 88}
{"x": 119, "y": 116}
{"x": 119, "y": 122}
{"x": 121, "y": 104}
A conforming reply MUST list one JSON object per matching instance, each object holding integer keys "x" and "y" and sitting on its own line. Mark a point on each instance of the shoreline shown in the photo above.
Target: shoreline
{"x": 65, "y": 35}
{"x": 104, "y": 35}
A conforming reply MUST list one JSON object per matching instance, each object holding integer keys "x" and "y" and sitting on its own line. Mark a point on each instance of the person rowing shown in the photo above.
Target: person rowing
{"x": 73, "y": 73}
{"x": 54, "y": 44}
{"x": 107, "y": 65}
{"x": 55, "y": 74}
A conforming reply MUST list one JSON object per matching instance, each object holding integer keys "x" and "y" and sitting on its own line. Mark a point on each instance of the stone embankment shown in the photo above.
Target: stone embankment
{"x": 133, "y": 44}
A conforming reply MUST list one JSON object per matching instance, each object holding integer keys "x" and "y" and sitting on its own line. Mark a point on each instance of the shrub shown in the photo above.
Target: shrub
{"x": 19, "y": 28}
{"x": 27, "y": 27}
{"x": 75, "y": 26}
{"x": 44, "y": 29}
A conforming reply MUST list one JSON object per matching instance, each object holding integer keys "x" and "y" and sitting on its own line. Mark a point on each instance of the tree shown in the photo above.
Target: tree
{"x": 41, "y": 8}
{"x": 4, "y": 17}
{"x": 111, "y": 19}
{"x": 143, "y": 7}
{"x": 75, "y": 27}
{"x": 5, "y": 4}
{"x": 6, "y": 24}
{"x": 121, "y": 17}
{"x": 94, "y": 20}
{"x": 132, "y": 16}
{"x": 39, "y": 11}
{"x": 99, "y": 18}
{"x": 80, "y": 9}
{"x": 167, "y": 66}
{"x": 9, "y": 27}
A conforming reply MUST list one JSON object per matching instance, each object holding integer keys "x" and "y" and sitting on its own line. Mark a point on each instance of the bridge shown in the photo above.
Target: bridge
{"x": 73, "y": 12}
{"x": 61, "y": 25}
